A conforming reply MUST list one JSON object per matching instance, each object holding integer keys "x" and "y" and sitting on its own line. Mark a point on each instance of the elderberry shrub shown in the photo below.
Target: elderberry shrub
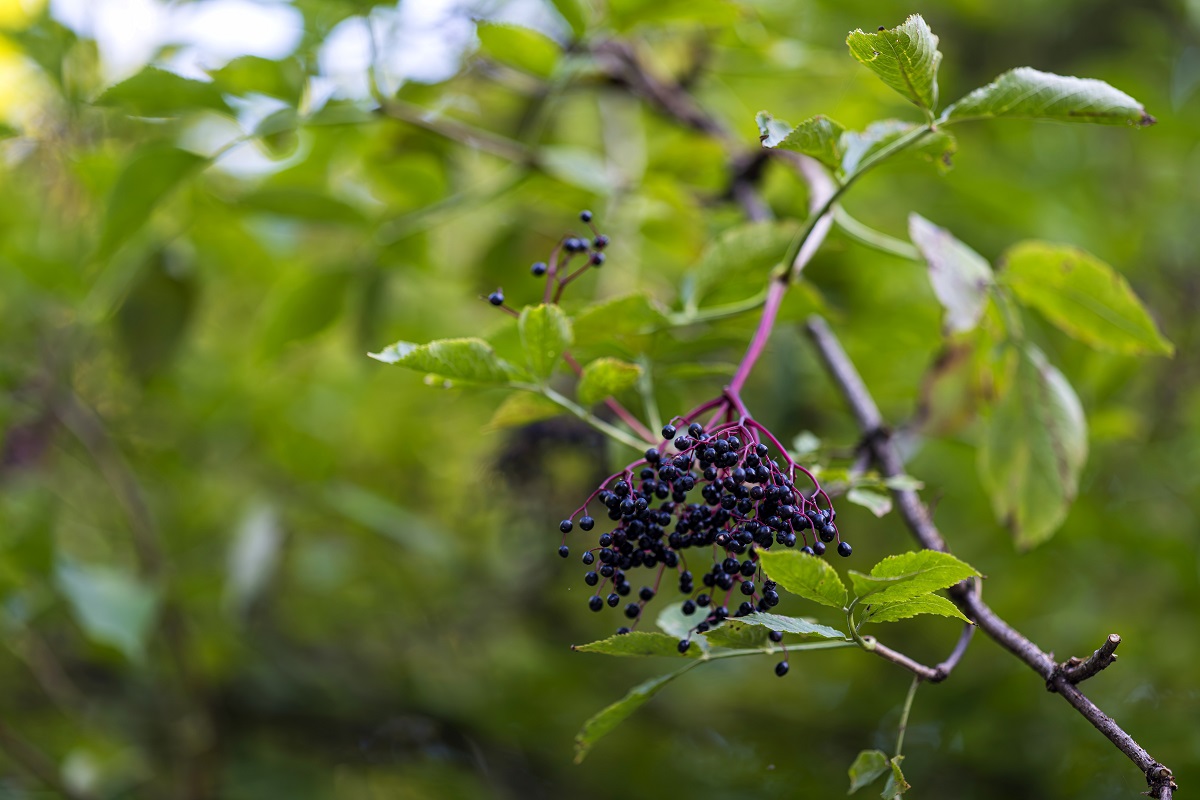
{"x": 716, "y": 498}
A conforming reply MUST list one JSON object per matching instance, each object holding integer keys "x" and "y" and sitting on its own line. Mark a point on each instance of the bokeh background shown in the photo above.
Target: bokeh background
{"x": 239, "y": 559}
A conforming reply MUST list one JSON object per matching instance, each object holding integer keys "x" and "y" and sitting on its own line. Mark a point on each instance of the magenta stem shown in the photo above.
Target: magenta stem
{"x": 765, "y": 325}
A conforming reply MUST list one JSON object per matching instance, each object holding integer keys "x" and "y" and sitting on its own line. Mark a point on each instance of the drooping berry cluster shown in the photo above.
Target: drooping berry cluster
{"x": 748, "y": 502}
{"x": 556, "y": 270}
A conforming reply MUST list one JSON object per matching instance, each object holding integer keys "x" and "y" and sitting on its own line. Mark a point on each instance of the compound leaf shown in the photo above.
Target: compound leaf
{"x": 926, "y": 604}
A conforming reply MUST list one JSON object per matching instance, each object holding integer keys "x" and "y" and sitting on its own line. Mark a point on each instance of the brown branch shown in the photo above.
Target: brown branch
{"x": 1077, "y": 670}
{"x": 935, "y": 674}
{"x": 916, "y": 517}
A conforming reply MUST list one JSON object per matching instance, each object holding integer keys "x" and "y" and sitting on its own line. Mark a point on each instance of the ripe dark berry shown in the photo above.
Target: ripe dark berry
{"x": 597, "y": 259}
{"x": 564, "y": 551}
{"x": 591, "y": 579}
{"x": 703, "y": 600}
{"x": 585, "y": 216}
{"x": 771, "y": 598}
{"x": 748, "y": 568}
{"x": 496, "y": 298}
{"x": 668, "y": 431}
{"x": 621, "y": 631}
{"x": 632, "y": 610}
{"x": 695, "y": 430}
{"x": 600, "y": 242}
{"x": 818, "y": 548}
{"x": 684, "y": 644}
{"x": 689, "y": 607}
{"x": 586, "y": 523}
{"x": 808, "y": 550}
{"x": 702, "y": 627}
{"x": 720, "y": 612}
{"x": 595, "y": 603}
{"x": 653, "y": 456}
{"x": 775, "y": 636}
{"x": 744, "y": 609}
{"x": 828, "y": 533}
{"x": 566, "y": 525}
{"x": 781, "y": 668}
{"x": 538, "y": 269}
{"x": 747, "y": 588}
{"x": 613, "y": 599}
{"x": 646, "y": 593}
{"x": 844, "y": 549}
{"x": 589, "y": 557}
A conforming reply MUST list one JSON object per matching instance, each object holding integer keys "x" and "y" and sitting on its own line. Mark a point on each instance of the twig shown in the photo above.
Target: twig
{"x": 1078, "y": 670}
{"x": 916, "y": 517}
{"x": 918, "y": 669}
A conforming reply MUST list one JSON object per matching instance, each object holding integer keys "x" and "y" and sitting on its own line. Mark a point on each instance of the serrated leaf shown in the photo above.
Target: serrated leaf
{"x": 877, "y": 503}
{"x": 471, "y": 360}
{"x": 155, "y": 92}
{"x": 908, "y": 575}
{"x": 806, "y": 576}
{"x": 638, "y": 644}
{"x": 545, "y": 334}
{"x": 112, "y": 606}
{"x": 1027, "y": 93}
{"x": 603, "y": 723}
{"x": 606, "y": 377}
{"x": 1082, "y": 296}
{"x": 961, "y": 277}
{"x": 896, "y": 785}
{"x": 523, "y": 48}
{"x": 1034, "y": 447}
{"x": 741, "y": 256}
{"x": 797, "y": 625}
{"x": 937, "y": 147}
{"x": 523, "y": 408}
{"x": 866, "y": 769}
{"x": 906, "y": 58}
{"x": 819, "y": 137}
{"x": 145, "y": 181}
{"x": 926, "y": 604}
{"x": 737, "y": 633}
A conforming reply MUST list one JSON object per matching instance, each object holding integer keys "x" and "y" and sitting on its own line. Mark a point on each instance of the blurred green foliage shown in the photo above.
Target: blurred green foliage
{"x": 239, "y": 559}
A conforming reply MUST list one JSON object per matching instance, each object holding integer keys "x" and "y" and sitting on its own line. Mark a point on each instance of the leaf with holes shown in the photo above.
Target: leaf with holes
{"x": 819, "y": 137}
{"x": 937, "y": 147}
{"x": 906, "y": 58}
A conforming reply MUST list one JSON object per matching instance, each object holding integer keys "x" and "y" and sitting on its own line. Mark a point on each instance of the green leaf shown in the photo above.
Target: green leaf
{"x": 673, "y": 621}
{"x": 1034, "y": 448}
{"x": 819, "y": 137}
{"x": 470, "y": 360}
{"x": 1082, "y": 296}
{"x": 896, "y": 785}
{"x": 620, "y": 318}
{"x": 154, "y": 316}
{"x": 908, "y": 575}
{"x": 244, "y": 75}
{"x": 877, "y": 503}
{"x": 606, "y": 377}
{"x": 545, "y": 334}
{"x": 1027, "y": 93}
{"x": 603, "y": 723}
{"x": 937, "y": 147}
{"x": 573, "y": 13}
{"x": 742, "y": 256}
{"x": 519, "y": 47}
{"x": 306, "y": 204}
{"x": 798, "y": 625}
{"x": 737, "y": 634}
{"x": 112, "y": 606}
{"x": 522, "y": 408}
{"x": 154, "y": 92}
{"x": 926, "y": 604}
{"x": 806, "y": 576}
{"x": 627, "y": 14}
{"x": 961, "y": 277}
{"x": 638, "y": 644}
{"x": 906, "y": 58}
{"x": 867, "y": 767}
{"x": 145, "y": 181}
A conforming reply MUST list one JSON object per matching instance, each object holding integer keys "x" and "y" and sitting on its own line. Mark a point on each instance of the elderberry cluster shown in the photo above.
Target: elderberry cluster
{"x": 747, "y": 502}
{"x": 557, "y": 272}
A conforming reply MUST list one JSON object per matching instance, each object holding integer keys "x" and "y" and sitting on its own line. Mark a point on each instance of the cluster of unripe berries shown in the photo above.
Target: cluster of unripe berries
{"x": 747, "y": 502}
{"x": 592, "y": 251}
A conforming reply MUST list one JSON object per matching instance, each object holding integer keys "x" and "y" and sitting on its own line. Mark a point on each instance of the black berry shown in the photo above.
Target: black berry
{"x": 585, "y": 216}
{"x": 564, "y": 551}
{"x": 775, "y": 636}
{"x": 496, "y": 298}
{"x": 566, "y": 525}
{"x": 595, "y": 603}
{"x": 538, "y": 269}
{"x": 844, "y": 549}
{"x": 684, "y": 644}
{"x": 781, "y": 668}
